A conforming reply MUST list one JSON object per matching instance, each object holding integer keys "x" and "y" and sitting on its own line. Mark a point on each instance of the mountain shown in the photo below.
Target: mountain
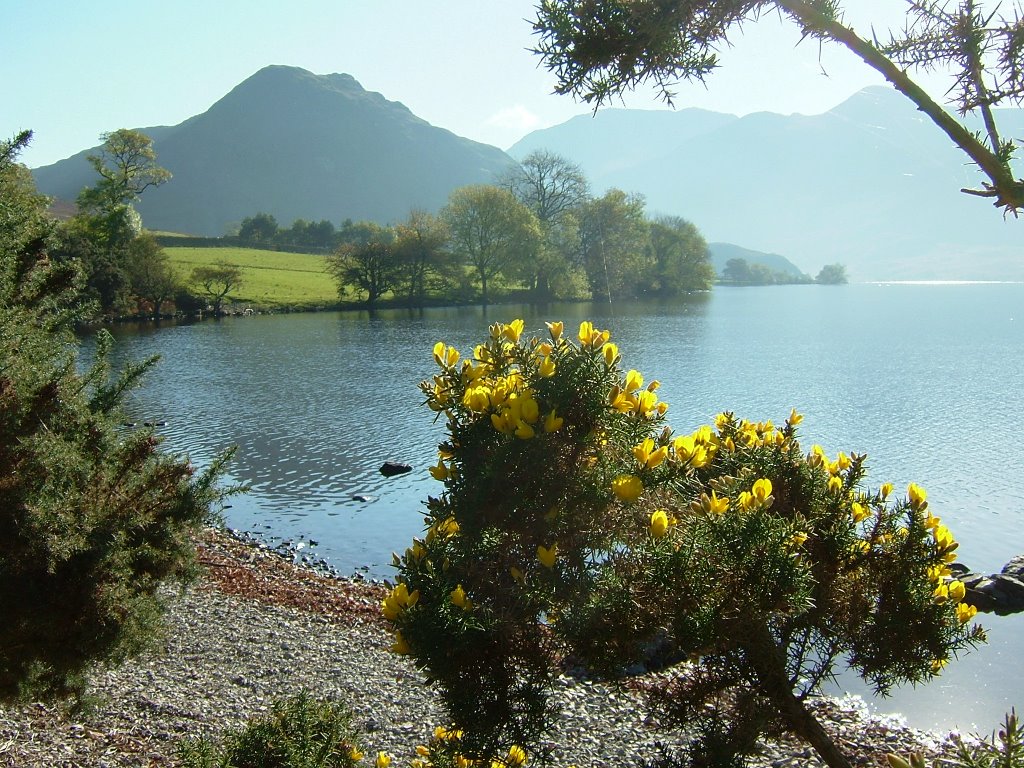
{"x": 722, "y": 252}
{"x": 296, "y": 145}
{"x": 872, "y": 184}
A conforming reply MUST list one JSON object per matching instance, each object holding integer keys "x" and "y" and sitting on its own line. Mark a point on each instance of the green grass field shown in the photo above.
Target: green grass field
{"x": 271, "y": 279}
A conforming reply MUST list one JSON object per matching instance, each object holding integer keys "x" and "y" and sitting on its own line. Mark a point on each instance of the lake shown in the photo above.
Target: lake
{"x": 927, "y": 379}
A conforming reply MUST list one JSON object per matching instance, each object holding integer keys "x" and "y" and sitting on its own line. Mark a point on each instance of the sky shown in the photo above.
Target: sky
{"x": 71, "y": 70}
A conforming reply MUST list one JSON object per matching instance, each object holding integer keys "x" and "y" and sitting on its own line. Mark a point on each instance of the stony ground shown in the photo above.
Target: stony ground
{"x": 256, "y": 628}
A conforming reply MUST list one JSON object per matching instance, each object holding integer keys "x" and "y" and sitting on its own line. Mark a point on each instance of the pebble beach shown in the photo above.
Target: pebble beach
{"x": 255, "y": 628}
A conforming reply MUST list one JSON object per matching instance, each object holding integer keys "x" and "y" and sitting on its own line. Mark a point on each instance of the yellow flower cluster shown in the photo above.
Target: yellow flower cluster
{"x": 446, "y": 739}
{"x": 946, "y": 589}
{"x": 399, "y": 600}
{"x": 630, "y": 396}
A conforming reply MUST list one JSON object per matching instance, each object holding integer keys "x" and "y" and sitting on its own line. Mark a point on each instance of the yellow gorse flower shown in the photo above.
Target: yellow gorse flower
{"x": 713, "y": 504}
{"x": 459, "y": 599}
{"x": 794, "y": 418}
{"x": 917, "y": 495}
{"x": 659, "y": 523}
{"x": 553, "y": 423}
{"x": 647, "y": 455}
{"x": 610, "y": 352}
{"x": 858, "y": 512}
{"x": 516, "y": 755}
{"x": 383, "y": 760}
{"x": 965, "y": 612}
{"x": 399, "y": 600}
{"x": 590, "y": 337}
{"x": 513, "y": 331}
{"x": 627, "y": 488}
{"x": 957, "y": 590}
{"x": 440, "y": 471}
{"x": 555, "y": 329}
{"x": 444, "y": 355}
{"x": 547, "y": 555}
{"x": 354, "y": 754}
{"x": 400, "y": 646}
{"x": 762, "y": 490}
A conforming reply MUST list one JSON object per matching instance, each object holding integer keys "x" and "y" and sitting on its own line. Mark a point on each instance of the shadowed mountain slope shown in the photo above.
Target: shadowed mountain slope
{"x": 296, "y": 145}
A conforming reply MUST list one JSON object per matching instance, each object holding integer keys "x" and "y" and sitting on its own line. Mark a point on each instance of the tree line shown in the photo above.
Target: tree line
{"x": 537, "y": 230}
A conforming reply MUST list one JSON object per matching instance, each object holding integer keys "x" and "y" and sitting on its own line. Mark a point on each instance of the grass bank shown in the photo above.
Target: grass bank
{"x": 271, "y": 279}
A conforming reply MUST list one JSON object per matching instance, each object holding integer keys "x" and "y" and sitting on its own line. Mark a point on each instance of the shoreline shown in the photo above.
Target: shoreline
{"x": 256, "y": 627}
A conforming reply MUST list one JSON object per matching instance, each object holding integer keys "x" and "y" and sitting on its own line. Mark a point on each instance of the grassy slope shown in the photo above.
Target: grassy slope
{"x": 272, "y": 279}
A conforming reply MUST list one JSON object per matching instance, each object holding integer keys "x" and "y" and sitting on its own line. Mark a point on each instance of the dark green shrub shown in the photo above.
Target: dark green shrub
{"x": 297, "y": 733}
{"x": 93, "y": 518}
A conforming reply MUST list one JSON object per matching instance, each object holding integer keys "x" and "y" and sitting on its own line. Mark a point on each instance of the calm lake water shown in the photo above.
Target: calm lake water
{"x": 927, "y": 379}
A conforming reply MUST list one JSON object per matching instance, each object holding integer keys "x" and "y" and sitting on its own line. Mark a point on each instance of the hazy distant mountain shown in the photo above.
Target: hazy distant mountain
{"x": 722, "y": 252}
{"x": 296, "y": 145}
{"x": 872, "y": 184}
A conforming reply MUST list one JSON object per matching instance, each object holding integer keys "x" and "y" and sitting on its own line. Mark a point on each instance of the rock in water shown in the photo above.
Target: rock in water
{"x": 392, "y": 468}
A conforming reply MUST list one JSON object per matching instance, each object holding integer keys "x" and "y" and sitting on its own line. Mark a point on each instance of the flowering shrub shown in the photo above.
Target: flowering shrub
{"x": 573, "y": 520}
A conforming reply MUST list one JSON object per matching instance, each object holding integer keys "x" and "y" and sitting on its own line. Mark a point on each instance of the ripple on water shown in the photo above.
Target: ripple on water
{"x": 927, "y": 380}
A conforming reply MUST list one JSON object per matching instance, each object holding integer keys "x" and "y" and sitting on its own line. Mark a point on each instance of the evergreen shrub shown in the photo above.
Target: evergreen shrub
{"x": 574, "y": 523}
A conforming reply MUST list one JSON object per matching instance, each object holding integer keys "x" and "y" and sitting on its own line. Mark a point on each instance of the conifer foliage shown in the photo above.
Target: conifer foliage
{"x": 93, "y": 516}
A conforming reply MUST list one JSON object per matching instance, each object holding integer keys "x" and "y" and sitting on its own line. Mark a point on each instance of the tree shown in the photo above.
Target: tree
{"x": 420, "y": 249}
{"x": 367, "y": 262}
{"x": 489, "y": 230}
{"x": 151, "y": 276}
{"x": 217, "y": 282}
{"x": 613, "y": 243}
{"x": 93, "y": 518}
{"x": 106, "y": 223}
{"x": 127, "y": 167}
{"x": 601, "y": 48}
{"x": 681, "y": 260}
{"x": 552, "y": 187}
{"x": 832, "y": 274}
{"x": 260, "y": 228}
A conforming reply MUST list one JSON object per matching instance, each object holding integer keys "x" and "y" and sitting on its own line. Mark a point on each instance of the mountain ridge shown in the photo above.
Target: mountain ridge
{"x": 870, "y": 183}
{"x": 296, "y": 145}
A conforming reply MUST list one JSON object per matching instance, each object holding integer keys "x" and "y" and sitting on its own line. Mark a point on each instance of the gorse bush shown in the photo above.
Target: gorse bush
{"x": 573, "y": 520}
{"x": 298, "y": 732}
{"x": 92, "y": 518}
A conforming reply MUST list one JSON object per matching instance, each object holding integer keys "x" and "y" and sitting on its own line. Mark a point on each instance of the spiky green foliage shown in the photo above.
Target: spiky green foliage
{"x": 599, "y": 48}
{"x": 298, "y": 732}
{"x": 93, "y": 518}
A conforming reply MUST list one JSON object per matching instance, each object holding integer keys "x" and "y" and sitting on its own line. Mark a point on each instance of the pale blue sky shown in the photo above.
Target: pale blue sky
{"x": 72, "y": 69}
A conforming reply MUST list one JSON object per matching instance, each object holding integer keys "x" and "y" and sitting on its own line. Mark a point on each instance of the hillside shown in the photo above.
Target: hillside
{"x": 871, "y": 184}
{"x": 722, "y": 252}
{"x": 296, "y": 145}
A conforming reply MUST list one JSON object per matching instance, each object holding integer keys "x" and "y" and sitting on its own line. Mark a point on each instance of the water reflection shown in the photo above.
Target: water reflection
{"x": 928, "y": 380}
